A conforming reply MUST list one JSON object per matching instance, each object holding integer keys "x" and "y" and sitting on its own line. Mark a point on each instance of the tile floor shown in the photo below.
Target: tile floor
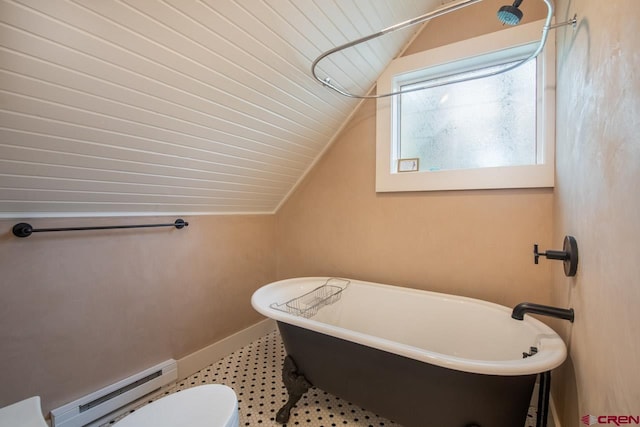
{"x": 254, "y": 372}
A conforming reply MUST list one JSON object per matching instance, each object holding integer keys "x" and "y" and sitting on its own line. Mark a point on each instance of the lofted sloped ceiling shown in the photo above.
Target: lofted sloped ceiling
{"x": 114, "y": 107}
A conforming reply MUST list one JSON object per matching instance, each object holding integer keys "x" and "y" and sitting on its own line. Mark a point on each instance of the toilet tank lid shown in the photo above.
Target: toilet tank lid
{"x": 26, "y": 413}
{"x": 206, "y": 405}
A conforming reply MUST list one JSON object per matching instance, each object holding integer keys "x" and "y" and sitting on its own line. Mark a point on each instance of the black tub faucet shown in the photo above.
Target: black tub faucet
{"x": 529, "y": 307}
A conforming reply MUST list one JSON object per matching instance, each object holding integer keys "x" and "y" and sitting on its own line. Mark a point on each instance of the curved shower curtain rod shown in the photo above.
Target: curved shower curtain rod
{"x": 422, "y": 18}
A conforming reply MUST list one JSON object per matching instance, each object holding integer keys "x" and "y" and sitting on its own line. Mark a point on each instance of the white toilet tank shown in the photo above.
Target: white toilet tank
{"x": 210, "y": 405}
{"x": 25, "y": 413}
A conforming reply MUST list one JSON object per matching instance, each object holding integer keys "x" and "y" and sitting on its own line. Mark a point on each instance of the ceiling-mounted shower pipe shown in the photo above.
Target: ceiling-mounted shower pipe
{"x": 510, "y": 15}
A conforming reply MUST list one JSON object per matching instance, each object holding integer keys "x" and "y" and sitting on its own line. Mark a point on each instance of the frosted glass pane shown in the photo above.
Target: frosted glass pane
{"x": 480, "y": 123}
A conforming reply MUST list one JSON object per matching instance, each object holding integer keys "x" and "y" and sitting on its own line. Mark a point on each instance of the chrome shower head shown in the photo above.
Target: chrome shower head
{"x": 510, "y": 15}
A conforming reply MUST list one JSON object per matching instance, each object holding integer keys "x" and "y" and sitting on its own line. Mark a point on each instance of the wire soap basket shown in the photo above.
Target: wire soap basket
{"x": 307, "y": 305}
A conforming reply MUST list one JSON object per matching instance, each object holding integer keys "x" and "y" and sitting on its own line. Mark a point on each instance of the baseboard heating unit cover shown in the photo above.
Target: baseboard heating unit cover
{"x": 104, "y": 401}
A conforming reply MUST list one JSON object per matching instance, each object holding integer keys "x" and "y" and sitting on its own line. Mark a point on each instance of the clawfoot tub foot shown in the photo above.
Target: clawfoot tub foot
{"x": 296, "y": 385}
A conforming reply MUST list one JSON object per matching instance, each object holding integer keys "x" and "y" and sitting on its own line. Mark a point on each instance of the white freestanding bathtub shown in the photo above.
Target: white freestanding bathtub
{"x": 419, "y": 358}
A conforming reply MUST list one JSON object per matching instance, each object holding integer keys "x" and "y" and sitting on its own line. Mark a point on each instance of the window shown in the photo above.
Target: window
{"x": 493, "y": 132}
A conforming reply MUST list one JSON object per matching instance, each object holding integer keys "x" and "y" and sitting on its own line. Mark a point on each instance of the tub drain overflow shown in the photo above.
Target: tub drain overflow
{"x": 532, "y": 351}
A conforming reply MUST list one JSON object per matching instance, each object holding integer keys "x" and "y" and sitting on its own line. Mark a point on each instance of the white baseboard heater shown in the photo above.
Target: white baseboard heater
{"x": 96, "y": 405}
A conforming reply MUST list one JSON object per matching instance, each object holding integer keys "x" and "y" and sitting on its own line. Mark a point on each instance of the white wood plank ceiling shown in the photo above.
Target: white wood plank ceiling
{"x": 113, "y": 107}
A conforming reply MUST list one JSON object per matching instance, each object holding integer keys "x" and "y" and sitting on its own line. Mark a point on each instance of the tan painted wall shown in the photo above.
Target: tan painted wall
{"x": 473, "y": 243}
{"x": 597, "y": 199}
{"x": 81, "y": 310}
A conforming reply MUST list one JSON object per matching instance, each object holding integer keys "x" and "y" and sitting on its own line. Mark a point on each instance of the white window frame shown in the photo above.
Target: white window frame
{"x": 483, "y": 48}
